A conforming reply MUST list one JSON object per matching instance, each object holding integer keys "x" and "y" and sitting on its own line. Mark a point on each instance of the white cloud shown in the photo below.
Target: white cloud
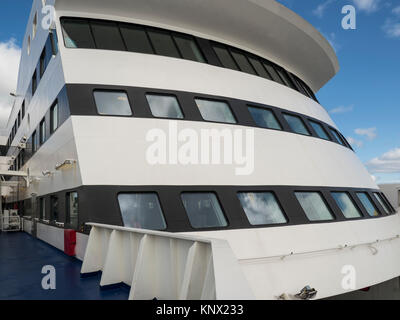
{"x": 9, "y": 63}
{"x": 342, "y": 109}
{"x": 367, "y": 5}
{"x": 355, "y": 143}
{"x": 331, "y": 37}
{"x": 370, "y": 133}
{"x": 396, "y": 11}
{"x": 392, "y": 28}
{"x": 320, "y": 10}
{"x": 389, "y": 162}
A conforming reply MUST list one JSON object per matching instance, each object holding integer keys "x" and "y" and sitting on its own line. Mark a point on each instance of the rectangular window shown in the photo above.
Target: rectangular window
{"x": 163, "y": 43}
{"x": 189, "y": 48}
{"x": 141, "y": 211}
{"x": 367, "y": 203}
{"x": 382, "y": 203}
{"x": 107, "y": 36}
{"x": 42, "y": 63}
{"x": 257, "y": 65}
{"x": 337, "y": 137}
{"x": 272, "y": 71}
{"x": 54, "y": 122}
{"x": 34, "y": 83}
{"x": 346, "y": 205}
{"x": 34, "y": 25}
{"x": 314, "y": 206}
{"x": 77, "y": 34}
{"x": 54, "y": 208}
{"x": 262, "y": 208}
{"x": 296, "y": 124}
{"x": 163, "y": 106}
{"x": 285, "y": 77}
{"x": 19, "y": 118}
{"x": 72, "y": 209}
{"x": 42, "y": 208}
{"x": 34, "y": 142}
{"x": 112, "y": 103}
{"x": 242, "y": 62}
{"x": 42, "y": 132}
{"x": 203, "y": 210}
{"x": 265, "y": 118}
{"x": 54, "y": 42}
{"x": 217, "y": 111}
{"x": 225, "y": 57}
{"x": 319, "y": 130}
{"x": 136, "y": 39}
{"x": 23, "y": 110}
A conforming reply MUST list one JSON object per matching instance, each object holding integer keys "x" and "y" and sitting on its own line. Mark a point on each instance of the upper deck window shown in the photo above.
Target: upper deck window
{"x": 225, "y": 57}
{"x": 242, "y": 62}
{"x": 42, "y": 132}
{"x": 265, "y": 118}
{"x": 346, "y": 205}
{"x": 142, "y": 211}
{"x": 314, "y": 206}
{"x": 262, "y": 208}
{"x": 164, "y": 106}
{"x": 382, "y": 202}
{"x": 189, "y": 48}
{"x": 296, "y": 124}
{"x": 204, "y": 210}
{"x": 34, "y": 26}
{"x": 163, "y": 43}
{"x": 136, "y": 39}
{"x": 77, "y": 34}
{"x": 216, "y": 111}
{"x": 319, "y": 129}
{"x": 272, "y": 71}
{"x": 107, "y": 36}
{"x": 54, "y": 122}
{"x": 34, "y": 83}
{"x": 112, "y": 103}
{"x": 260, "y": 69}
{"x": 338, "y": 137}
{"x": 367, "y": 203}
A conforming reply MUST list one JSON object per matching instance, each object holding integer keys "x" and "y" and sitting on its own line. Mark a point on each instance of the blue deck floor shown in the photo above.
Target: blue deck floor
{"x": 21, "y": 260}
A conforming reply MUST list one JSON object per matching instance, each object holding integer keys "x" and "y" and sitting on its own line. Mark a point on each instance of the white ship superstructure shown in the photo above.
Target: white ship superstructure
{"x": 106, "y": 73}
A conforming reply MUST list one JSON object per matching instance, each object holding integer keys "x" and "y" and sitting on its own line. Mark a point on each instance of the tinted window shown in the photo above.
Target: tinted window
{"x": 72, "y": 210}
{"x": 42, "y": 132}
{"x": 285, "y": 77}
{"x": 217, "y": 111}
{"x": 163, "y": 43}
{"x": 34, "y": 142}
{"x": 320, "y": 131}
{"x": 189, "y": 48}
{"x": 242, "y": 62}
{"x": 34, "y": 83}
{"x": 164, "y": 106}
{"x": 314, "y": 206}
{"x": 261, "y": 208}
{"x": 141, "y": 211}
{"x": 337, "y": 137}
{"x": 257, "y": 65}
{"x": 296, "y": 124}
{"x": 346, "y": 205}
{"x": 54, "y": 207}
{"x": 225, "y": 57}
{"x": 77, "y": 34}
{"x": 54, "y": 118}
{"x": 367, "y": 203}
{"x": 42, "y": 66}
{"x": 112, "y": 103}
{"x": 272, "y": 71}
{"x": 204, "y": 210}
{"x": 136, "y": 39}
{"x": 107, "y": 35}
{"x": 382, "y": 203}
{"x": 265, "y": 118}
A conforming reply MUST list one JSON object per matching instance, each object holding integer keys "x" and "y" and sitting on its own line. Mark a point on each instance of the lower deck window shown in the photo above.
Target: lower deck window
{"x": 54, "y": 207}
{"x": 319, "y": 130}
{"x": 265, "y": 118}
{"x": 217, "y": 111}
{"x": 163, "y": 106}
{"x": 72, "y": 209}
{"x": 314, "y": 206}
{"x": 346, "y": 205}
{"x": 112, "y": 103}
{"x": 338, "y": 137}
{"x": 203, "y": 210}
{"x": 367, "y": 203}
{"x": 141, "y": 211}
{"x": 296, "y": 124}
{"x": 262, "y": 208}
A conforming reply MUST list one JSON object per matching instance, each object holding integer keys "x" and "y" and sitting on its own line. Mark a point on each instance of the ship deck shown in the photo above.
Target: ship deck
{"x": 22, "y": 258}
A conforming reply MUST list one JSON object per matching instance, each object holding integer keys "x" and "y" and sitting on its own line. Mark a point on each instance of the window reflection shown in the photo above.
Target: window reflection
{"x": 314, "y": 206}
{"x": 164, "y": 106}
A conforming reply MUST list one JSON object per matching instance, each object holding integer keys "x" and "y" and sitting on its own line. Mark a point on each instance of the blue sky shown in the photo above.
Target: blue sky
{"x": 363, "y": 99}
